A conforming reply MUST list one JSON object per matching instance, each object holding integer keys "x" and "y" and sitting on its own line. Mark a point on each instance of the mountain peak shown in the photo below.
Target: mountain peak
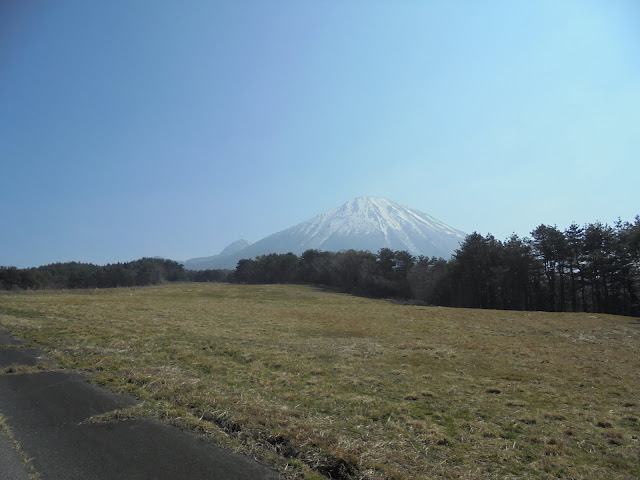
{"x": 235, "y": 247}
{"x": 378, "y": 222}
{"x": 369, "y": 200}
{"x": 363, "y": 223}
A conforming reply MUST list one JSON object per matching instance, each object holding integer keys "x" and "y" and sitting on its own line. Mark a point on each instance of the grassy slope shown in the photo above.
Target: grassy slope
{"x": 321, "y": 382}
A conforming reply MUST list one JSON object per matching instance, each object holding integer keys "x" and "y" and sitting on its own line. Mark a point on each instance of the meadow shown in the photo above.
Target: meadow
{"x": 327, "y": 385}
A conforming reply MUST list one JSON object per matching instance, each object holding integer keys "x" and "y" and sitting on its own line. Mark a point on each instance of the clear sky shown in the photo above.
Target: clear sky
{"x": 131, "y": 128}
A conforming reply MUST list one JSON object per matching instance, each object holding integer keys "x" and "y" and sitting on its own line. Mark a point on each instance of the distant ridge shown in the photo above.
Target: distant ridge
{"x": 202, "y": 263}
{"x": 364, "y": 223}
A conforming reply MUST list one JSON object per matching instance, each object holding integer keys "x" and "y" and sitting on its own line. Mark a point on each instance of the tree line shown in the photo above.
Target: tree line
{"x": 146, "y": 271}
{"x": 590, "y": 268}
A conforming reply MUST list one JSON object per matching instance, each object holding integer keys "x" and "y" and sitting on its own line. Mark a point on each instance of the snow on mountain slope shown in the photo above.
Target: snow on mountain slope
{"x": 377, "y": 218}
{"x": 364, "y": 223}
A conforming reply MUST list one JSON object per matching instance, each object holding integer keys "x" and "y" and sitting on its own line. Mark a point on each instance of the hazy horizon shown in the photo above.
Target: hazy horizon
{"x": 175, "y": 129}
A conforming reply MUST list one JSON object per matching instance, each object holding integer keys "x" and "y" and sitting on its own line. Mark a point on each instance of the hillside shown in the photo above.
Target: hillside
{"x": 347, "y": 387}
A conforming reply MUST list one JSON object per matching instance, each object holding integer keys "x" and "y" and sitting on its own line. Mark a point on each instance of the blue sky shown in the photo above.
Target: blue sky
{"x": 132, "y": 129}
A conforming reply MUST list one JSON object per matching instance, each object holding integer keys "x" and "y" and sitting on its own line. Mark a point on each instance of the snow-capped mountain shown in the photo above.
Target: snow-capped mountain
{"x": 364, "y": 223}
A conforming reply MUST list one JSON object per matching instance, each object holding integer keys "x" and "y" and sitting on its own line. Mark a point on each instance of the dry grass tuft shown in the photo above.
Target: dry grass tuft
{"x": 26, "y": 460}
{"x": 603, "y": 424}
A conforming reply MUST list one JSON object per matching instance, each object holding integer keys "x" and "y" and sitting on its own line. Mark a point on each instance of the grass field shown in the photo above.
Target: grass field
{"x": 319, "y": 383}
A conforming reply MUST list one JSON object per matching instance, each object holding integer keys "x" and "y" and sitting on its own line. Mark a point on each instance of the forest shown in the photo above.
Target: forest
{"x": 594, "y": 268}
{"x": 591, "y": 268}
{"x": 146, "y": 271}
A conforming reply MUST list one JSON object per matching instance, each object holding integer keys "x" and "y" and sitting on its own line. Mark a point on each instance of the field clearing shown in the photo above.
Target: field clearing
{"x": 324, "y": 384}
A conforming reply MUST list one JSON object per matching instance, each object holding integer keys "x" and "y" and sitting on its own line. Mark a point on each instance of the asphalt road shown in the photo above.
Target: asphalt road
{"x": 11, "y": 466}
{"x": 45, "y": 411}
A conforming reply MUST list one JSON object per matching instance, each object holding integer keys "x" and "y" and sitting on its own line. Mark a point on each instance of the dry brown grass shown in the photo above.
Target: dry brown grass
{"x": 324, "y": 383}
{"x": 5, "y": 430}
